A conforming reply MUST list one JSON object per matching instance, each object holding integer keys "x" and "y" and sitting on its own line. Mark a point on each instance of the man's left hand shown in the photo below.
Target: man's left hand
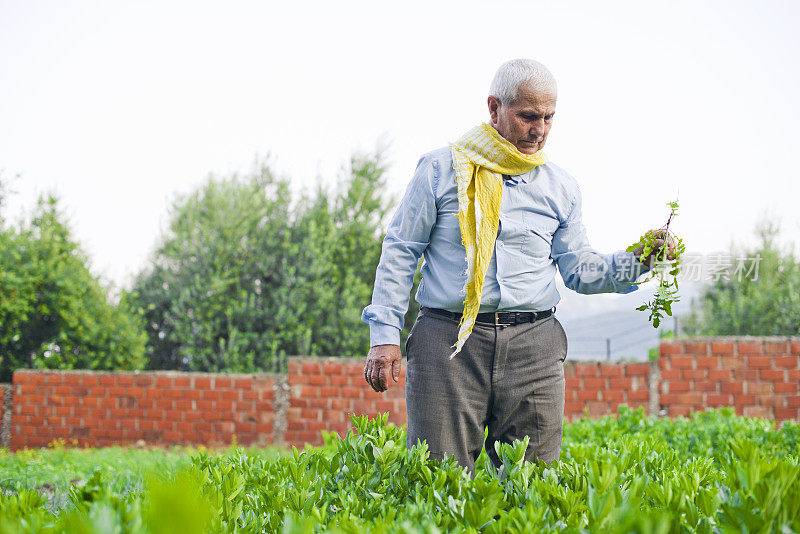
{"x": 672, "y": 248}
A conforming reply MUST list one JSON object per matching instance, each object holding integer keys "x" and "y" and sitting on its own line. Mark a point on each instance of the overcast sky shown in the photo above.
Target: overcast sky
{"x": 118, "y": 106}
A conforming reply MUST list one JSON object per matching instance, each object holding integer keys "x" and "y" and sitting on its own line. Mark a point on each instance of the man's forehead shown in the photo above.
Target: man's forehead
{"x": 528, "y": 98}
{"x": 539, "y": 103}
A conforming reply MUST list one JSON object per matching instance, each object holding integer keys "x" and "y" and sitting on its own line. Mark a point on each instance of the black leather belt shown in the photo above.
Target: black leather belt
{"x": 497, "y": 318}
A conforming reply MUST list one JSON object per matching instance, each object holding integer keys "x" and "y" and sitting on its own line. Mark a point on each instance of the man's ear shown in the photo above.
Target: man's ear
{"x": 494, "y": 105}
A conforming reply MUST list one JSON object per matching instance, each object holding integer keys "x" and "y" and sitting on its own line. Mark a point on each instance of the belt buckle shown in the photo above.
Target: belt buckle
{"x": 497, "y": 319}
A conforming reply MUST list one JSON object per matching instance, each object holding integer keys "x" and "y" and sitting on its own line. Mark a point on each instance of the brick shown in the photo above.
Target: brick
{"x": 317, "y": 380}
{"x": 690, "y": 398}
{"x": 671, "y": 374}
{"x": 731, "y": 387}
{"x": 795, "y": 347}
{"x": 705, "y": 385}
{"x": 72, "y": 380}
{"x": 594, "y": 383}
{"x": 572, "y": 382}
{"x": 773, "y": 374}
{"x": 354, "y": 369}
{"x": 762, "y": 412}
{"x": 793, "y": 401}
{"x": 125, "y": 380}
{"x": 679, "y": 386}
{"x": 787, "y": 362}
{"x": 776, "y": 347}
{"x": 588, "y": 395}
{"x": 224, "y": 405}
{"x": 585, "y": 369}
{"x": 611, "y": 370}
{"x": 333, "y": 368}
{"x": 679, "y": 410}
{"x": 785, "y": 387}
{"x": 143, "y": 380}
{"x": 694, "y": 374}
{"x": 722, "y": 347}
{"x": 697, "y": 348}
{"x": 106, "y": 380}
{"x": 222, "y": 383}
{"x": 620, "y": 383}
{"x": 329, "y": 391}
{"x": 793, "y": 374}
{"x": 311, "y": 368}
{"x": 639, "y": 395}
{"x": 758, "y": 388}
{"x": 341, "y": 404}
{"x": 341, "y": 380}
{"x": 202, "y": 382}
{"x": 772, "y": 400}
{"x": 671, "y": 348}
{"x": 786, "y": 413}
{"x": 731, "y": 362}
{"x": 744, "y": 400}
{"x": 717, "y": 399}
{"x": 637, "y": 369}
{"x": 707, "y": 362}
{"x": 745, "y": 374}
{"x": 613, "y": 395}
{"x": 243, "y": 383}
{"x": 351, "y": 393}
{"x": 229, "y": 394}
{"x": 750, "y": 347}
{"x": 211, "y": 394}
{"x": 294, "y": 380}
{"x": 759, "y": 362}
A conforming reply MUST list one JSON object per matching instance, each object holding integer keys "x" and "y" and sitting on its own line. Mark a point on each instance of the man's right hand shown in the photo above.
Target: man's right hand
{"x": 382, "y": 361}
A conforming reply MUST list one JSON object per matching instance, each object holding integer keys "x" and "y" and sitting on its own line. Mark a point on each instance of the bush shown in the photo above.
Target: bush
{"x": 245, "y": 275}
{"x": 54, "y": 313}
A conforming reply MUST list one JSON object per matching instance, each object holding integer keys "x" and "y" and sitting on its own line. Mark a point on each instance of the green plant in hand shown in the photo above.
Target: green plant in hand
{"x": 662, "y": 250}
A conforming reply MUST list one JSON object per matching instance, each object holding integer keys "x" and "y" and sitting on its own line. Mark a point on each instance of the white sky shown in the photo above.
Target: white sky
{"x": 119, "y": 106}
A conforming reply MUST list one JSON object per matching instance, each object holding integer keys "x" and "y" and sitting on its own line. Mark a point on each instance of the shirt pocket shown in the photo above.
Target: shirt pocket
{"x": 538, "y": 231}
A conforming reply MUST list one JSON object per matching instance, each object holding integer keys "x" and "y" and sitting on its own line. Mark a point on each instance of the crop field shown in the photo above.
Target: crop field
{"x": 713, "y": 472}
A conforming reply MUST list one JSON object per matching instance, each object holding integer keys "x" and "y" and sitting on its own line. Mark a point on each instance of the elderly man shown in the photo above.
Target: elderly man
{"x": 493, "y": 219}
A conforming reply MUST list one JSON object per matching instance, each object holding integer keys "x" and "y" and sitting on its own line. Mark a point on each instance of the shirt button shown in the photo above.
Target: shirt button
{"x": 500, "y": 244}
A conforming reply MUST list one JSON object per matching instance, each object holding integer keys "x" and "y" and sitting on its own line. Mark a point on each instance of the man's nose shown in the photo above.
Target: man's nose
{"x": 537, "y": 128}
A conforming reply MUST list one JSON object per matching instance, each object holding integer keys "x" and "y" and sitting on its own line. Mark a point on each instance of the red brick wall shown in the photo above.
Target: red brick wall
{"x": 596, "y": 389}
{"x": 100, "y": 409}
{"x": 757, "y": 376}
{"x": 324, "y": 391}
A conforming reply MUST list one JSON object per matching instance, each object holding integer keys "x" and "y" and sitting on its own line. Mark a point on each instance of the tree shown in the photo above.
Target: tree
{"x": 766, "y": 304}
{"x": 54, "y": 313}
{"x": 245, "y": 276}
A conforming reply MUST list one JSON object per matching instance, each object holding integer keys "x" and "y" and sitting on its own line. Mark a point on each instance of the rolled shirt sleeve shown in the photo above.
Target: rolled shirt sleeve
{"x": 406, "y": 238}
{"x": 585, "y": 270}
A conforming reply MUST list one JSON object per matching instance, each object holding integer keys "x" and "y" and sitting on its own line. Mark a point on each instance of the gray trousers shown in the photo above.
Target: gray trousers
{"x": 509, "y": 379}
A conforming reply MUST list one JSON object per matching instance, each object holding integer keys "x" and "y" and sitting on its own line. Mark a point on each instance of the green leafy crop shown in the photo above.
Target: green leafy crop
{"x": 711, "y": 473}
{"x": 665, "y": 268}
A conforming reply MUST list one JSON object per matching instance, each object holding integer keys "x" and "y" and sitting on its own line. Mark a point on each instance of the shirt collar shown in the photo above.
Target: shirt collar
{"x": 516, "y": 180}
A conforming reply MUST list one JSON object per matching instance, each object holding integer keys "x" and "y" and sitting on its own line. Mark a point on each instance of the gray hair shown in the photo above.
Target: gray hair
{"x": 521, "y": 72}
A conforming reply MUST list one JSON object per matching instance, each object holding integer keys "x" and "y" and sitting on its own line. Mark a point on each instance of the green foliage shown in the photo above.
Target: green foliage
{"x": 246, "y": 275}
{"x": 54, "y": 313}
{"x": 664, "y": 269}
{"x": 764, "y": 302}
{"x": 714, "y": 472}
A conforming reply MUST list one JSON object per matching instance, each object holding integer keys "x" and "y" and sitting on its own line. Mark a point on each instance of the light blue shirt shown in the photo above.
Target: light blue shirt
{"x": 540, "y": 229}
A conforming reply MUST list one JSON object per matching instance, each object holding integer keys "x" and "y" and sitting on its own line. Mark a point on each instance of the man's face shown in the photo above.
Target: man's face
{"x": 526, "y": 122}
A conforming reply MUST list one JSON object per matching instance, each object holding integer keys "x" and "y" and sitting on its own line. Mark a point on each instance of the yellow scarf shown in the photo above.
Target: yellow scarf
{"x": 480, "y": 158}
